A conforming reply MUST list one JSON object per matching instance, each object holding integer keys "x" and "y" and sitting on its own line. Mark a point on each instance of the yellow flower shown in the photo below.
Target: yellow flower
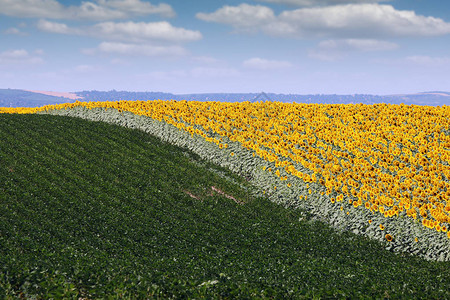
{"x": 388, "y": 237}
{"x": 438, "y": 227}
{"x": 425, "y": 222}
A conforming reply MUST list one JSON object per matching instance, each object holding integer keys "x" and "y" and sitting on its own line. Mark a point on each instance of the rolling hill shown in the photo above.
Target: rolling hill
{"x": 94, "y": 210}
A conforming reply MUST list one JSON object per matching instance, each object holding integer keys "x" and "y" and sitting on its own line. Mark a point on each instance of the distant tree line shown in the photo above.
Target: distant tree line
{"x": 21, "y": 98}
{"x": 429, "y": 98}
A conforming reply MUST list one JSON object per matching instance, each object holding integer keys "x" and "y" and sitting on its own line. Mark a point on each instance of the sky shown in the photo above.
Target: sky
{"x": 207, "y": 46}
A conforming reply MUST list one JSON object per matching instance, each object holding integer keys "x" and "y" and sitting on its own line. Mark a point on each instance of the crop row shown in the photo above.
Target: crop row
{"x": 382, "y": 161}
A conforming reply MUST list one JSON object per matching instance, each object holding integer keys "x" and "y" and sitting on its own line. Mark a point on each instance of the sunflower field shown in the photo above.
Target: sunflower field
{"x": 380, "y": 170}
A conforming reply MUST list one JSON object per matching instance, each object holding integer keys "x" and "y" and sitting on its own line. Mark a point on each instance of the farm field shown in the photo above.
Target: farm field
{"x": 378, "y": 170}
{"x": 91, "y": 209}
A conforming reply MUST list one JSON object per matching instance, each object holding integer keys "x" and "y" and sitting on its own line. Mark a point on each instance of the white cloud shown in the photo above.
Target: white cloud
{"x": 361, "y": 21}
{"x": 320, "y": 2}
{"x": 55, "y": 27}
{"x": 13, "y": 30}
{"x": 130, "y": 38}
{"x": 126, "y": 31}
{"x": 98, "y": 10}
{"x": 19, "y": 57}
{"x": 330, "y": 50}
{"x": 264, "y": 64}
{"x": 92, "y": 11}
{"x": 31, "y": 8}
{"x": 363, "y": 45}
{"x": 14, "y": 54}
{"x": 139, "y": 32}
{"x": 138, "y": 7}
{"x": 241, "y": 17}
{"x": 136, "y": 49}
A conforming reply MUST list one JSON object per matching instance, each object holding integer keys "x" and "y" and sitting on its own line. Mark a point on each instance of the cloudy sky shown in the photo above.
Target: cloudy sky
{"x": 181, "y": 46}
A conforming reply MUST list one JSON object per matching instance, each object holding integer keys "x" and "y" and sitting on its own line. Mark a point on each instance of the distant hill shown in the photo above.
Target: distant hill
{"x": 59, "y": 94}
{"x": 21, "y": 98}
{"x": 434, "y": 98}
{"x": 437, "y": 92}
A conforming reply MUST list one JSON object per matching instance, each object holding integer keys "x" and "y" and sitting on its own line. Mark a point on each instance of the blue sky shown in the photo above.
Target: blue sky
{"x": 280, "y": 46}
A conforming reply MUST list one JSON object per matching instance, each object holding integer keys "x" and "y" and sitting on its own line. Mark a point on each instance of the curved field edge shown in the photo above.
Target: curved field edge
{"x": 429, "y": 244}
{"x": 91, "y": 210}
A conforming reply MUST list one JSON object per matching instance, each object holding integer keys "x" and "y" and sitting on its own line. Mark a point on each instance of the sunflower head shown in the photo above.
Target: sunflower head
{"x": 389, "y": 237}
